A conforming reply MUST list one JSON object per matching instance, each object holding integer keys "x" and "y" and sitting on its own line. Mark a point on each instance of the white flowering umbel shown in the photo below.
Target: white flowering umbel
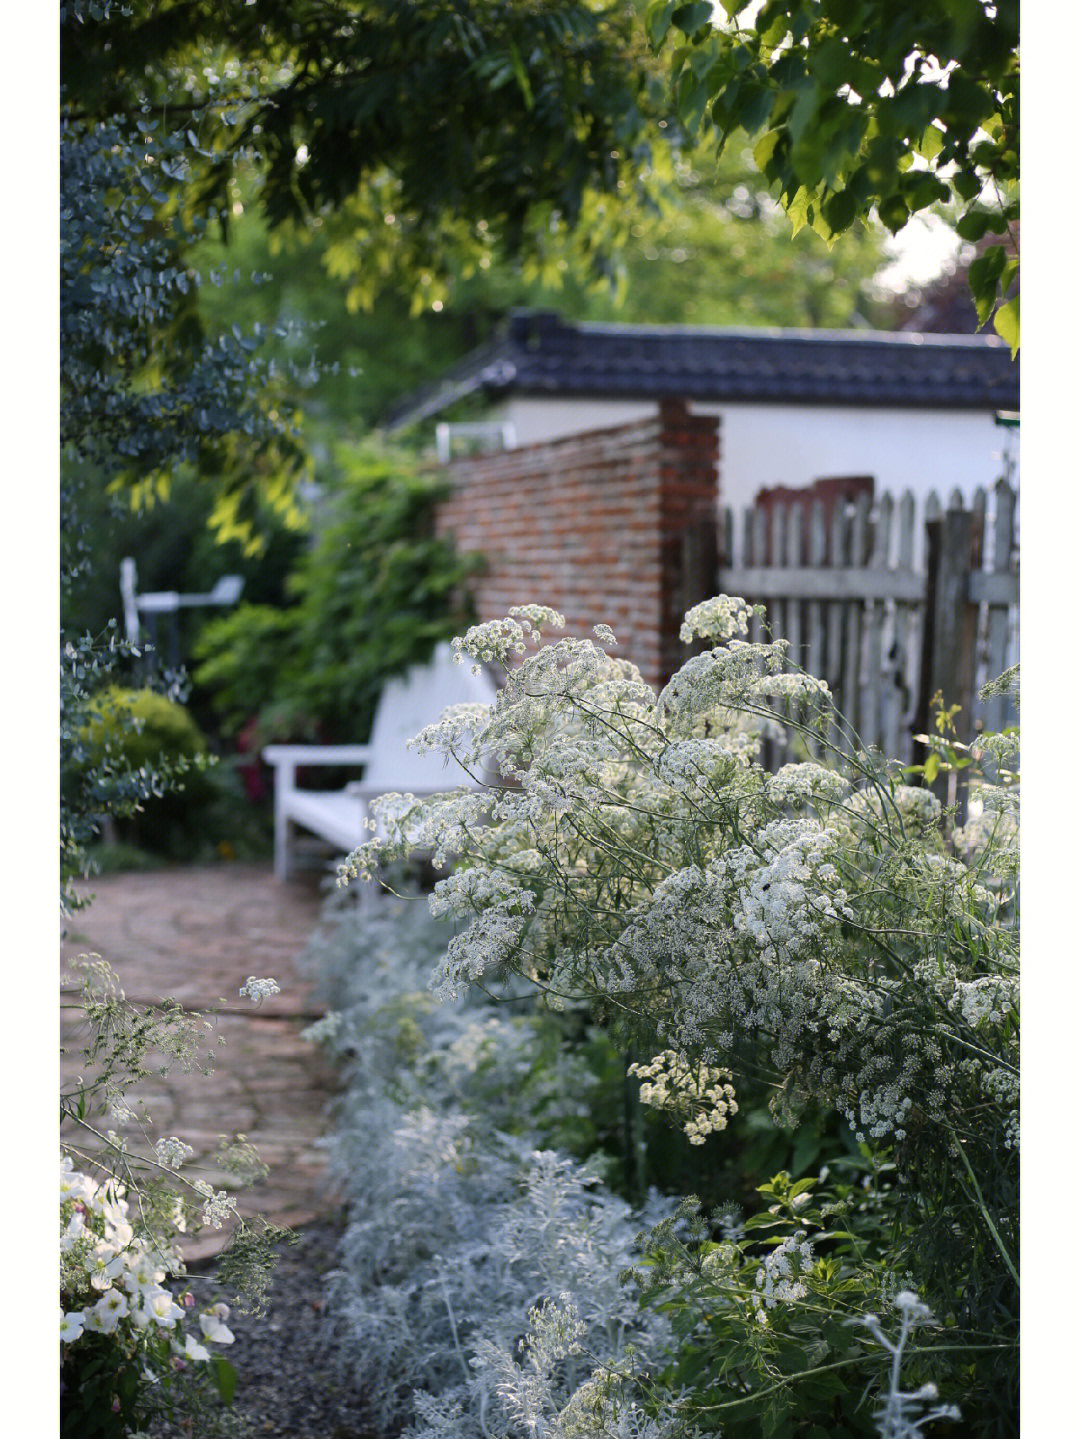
{"x": 822, "y": 925}
{"x": 701, "y": 1094}
{"x": 718, "y": 619}
{"x": 638, "y": 852}
{"x": 259, "y": 989}
{"x": 778, "y": 1278}
{"x": 172, "y": 1152}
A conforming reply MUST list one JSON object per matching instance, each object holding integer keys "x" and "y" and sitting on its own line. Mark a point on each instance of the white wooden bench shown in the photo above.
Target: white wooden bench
{"x": 406, "y": 705}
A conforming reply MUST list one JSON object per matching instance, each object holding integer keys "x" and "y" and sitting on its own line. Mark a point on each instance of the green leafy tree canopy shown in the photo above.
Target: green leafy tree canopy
{"x": 867, "y": 106}
{"x": 425, "y": 125}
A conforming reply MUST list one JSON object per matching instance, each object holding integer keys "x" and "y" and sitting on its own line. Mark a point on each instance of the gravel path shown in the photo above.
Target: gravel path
{"x": 288, "y": 1384}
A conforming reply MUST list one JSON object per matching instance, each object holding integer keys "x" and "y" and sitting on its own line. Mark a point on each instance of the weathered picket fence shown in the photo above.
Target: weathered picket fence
{"x": 889, "y": 607}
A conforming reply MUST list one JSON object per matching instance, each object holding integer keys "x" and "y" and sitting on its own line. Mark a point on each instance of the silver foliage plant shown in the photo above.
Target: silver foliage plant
{"x": 634, "y": 851}
{"x": 478, "y": 1286}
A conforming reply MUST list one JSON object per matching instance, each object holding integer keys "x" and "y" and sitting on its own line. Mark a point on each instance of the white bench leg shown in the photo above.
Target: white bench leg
{"x": 283, "y": 826}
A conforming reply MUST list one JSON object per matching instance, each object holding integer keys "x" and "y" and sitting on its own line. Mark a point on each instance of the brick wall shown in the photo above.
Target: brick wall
{"x": 596, "y": 525}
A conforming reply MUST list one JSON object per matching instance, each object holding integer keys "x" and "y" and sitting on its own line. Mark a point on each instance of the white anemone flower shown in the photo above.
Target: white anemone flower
{"x": 108, "y": 1312}
{"x": 105, "y": 1264}
{"x": 76, "y": 1228}
{"x": 142, "y": 1275}
{"x": 162, "y": 1308}
{"x": 71, "y": 1325}
{"x": 210, "y": 1321}
{"x": 74, "y": 1185}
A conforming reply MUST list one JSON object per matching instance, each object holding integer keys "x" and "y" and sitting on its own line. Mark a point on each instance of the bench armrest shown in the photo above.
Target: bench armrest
{"x": 293, "y": 754}
{"x": 367, "y": 792}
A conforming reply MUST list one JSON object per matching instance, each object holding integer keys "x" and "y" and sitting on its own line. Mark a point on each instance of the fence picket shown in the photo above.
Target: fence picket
{"x": 815, "y": 609}
{"x": 793, "y": 548}
{"x": 834, "y": 654}
{"x": 778, "y": 616}
{"x": 726, "y": 539}
{"x": 854, "y": 660}
{"x": 998, "y": 711}
{"x": 874, "y": 718}
{"x": 907, "y": 632}
{"x": 757, "y": 556}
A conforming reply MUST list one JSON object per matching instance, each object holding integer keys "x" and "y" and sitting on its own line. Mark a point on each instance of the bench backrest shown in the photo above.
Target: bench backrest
{"x": 407, "y": 705}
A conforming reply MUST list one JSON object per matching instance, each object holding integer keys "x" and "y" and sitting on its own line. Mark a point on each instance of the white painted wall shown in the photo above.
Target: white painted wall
{"x": 765, "y": 444}
{"x": 921, "y": 450}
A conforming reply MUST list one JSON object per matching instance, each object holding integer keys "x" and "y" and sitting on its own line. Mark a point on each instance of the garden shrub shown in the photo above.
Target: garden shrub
{"x": 140, "y": 728}
{"x": 105, "y": 776}
{"x": 827, "y": 929}
{"x": 198, "y": 811}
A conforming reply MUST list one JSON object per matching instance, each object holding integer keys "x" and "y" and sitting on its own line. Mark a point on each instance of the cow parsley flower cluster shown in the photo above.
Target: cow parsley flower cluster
{"x": 172, "y": 1152}
{"x": 701, "y": 1092}
{"x": 717, "y": 619}
{"x": 778, "y": 1279}
{"x": 259, "y": 989}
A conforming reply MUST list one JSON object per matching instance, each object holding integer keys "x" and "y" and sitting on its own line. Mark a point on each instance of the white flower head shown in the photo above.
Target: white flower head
{"x": 107, "y": 1313}
{"x": 172, "y": 1152}
{"x": 259, "y": 989}
{"x": 717, "y": 619}
{"x": 211, "y": 1322}
{"x": 162, "y": 1308}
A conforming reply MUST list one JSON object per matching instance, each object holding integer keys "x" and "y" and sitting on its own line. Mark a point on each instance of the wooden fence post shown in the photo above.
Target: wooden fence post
{"x": 950, "y": 624}
{"x": 698, "y": 566}
{"x": 950, "y": 616}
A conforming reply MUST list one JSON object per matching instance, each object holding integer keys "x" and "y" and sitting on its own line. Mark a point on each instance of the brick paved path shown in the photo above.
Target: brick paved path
{"x": 196, "y": 935}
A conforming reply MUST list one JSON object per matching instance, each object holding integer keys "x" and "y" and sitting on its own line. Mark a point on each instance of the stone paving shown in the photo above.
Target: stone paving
{"x": 196, "y": 935}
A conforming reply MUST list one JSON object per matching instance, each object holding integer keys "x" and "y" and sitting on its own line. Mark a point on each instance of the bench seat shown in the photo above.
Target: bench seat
{"x": 405, "y": 707}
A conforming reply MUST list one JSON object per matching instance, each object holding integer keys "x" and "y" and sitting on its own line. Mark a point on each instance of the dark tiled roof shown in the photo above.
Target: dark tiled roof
{"x": 539, "y": 354}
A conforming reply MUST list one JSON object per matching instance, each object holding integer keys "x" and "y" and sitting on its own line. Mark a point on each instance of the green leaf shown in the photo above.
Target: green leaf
{"x": 658, "y": 21}
{"x": 798, "y": 208}
{"x": 930, "y": 143}
{"x": 755, "y": 107}
{"x": 839, "y": 210}
{"x": 893, "y": 212}
{"x": 930, "y": 769}
{"x": 922, "y": 189}
{"x": 521, "y": 76}
{"x": 973, "y": 225}
{"x": 690, "y": 18}
{"x": 693, "y": 96}
{"x": 224, "y": 1378}
{"x": 1007, "y": 323}
{"x": 983, "y": 278}
{"x": 764, "y": 149}
{"x": 774, "y": 31}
